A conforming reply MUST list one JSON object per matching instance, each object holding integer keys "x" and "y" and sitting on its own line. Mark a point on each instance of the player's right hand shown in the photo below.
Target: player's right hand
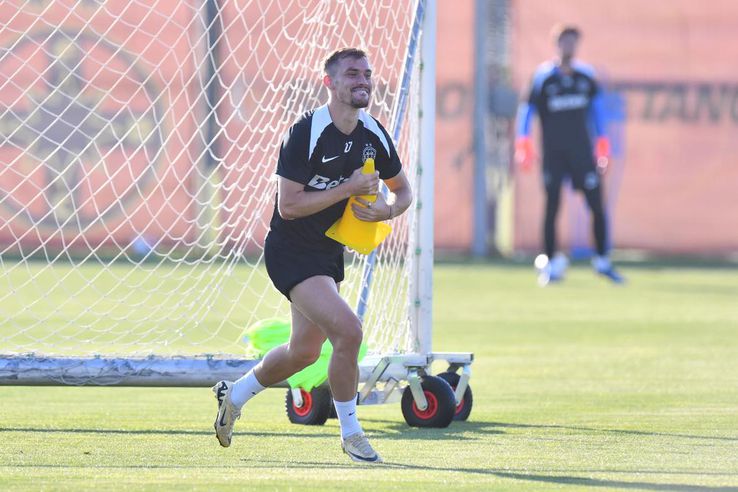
{"x": 363, "y": 184}
{"x": 524, "y": 153}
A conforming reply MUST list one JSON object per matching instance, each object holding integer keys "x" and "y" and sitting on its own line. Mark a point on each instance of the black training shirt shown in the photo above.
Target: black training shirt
{"x": 564, "y": 102}
{"x": 319, "y": 156}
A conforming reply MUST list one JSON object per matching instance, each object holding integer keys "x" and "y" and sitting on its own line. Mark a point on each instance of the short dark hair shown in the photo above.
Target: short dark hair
{"x": 337, "y": 56}
{"x": 566, "y": 30}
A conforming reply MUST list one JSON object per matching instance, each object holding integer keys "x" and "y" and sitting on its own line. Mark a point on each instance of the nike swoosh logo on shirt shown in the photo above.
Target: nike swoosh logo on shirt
{"x": 329, "y": 160}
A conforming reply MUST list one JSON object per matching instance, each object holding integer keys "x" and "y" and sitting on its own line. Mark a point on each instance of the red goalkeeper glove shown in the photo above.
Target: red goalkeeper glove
{"x": 524, "y": 153}
{"x": 602, "y": 154}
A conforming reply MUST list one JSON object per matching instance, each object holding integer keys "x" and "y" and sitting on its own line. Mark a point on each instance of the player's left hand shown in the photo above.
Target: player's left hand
{"x": 367, "y": 211}
{"x": 602, "y": 154}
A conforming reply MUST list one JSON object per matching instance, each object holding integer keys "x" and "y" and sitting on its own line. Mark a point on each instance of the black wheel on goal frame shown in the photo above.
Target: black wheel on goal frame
{"x": 463, "y": 409}
{"x": 315, "y": 409}
{"x": 441, "y": 404}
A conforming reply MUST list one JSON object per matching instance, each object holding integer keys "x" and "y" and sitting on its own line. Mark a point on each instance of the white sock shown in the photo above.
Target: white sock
{"x": 346, "y": 412}
{"x": 245, "y": 388}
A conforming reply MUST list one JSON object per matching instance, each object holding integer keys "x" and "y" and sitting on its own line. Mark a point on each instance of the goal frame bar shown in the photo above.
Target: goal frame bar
{"x": 205, "y": 370}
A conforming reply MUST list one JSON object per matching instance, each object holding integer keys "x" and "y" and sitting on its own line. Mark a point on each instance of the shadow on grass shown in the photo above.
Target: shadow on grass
{"x": 146, "y": 432}
{"x": 391, "y": 429}
{"x": 524, "y": 475}
{"x": 457, "y": 431}
{"x": 610, "y": 431}
{"x": 399, "y": 430}
{"x": 622, "y": 484}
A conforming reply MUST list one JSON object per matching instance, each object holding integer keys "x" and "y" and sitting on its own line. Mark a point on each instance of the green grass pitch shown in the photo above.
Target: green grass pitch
{"x": 581, "y": 386}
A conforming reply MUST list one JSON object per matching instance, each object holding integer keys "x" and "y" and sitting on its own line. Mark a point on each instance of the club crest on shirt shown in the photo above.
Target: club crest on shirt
{"x": 369, "y": 152}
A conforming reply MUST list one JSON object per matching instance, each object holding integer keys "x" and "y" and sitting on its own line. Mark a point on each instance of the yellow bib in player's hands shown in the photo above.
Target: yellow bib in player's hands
{"x": 358, "y": 235}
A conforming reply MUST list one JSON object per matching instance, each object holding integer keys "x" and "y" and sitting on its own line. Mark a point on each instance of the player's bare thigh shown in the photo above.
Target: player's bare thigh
{"x": 318, "y": 300}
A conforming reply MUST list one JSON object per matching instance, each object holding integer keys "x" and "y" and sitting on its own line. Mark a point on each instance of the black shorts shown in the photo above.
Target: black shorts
{"x": 577, "y": 164}
{"x": 287, "y": 264}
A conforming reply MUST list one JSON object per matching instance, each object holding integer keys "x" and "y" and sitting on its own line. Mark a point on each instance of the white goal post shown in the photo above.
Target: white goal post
{"x": 139, "y": 142}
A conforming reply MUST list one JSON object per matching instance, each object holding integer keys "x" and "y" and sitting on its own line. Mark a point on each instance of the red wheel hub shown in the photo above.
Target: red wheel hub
{"x": 307, "y": 404}
{"x": 432, "y": 409}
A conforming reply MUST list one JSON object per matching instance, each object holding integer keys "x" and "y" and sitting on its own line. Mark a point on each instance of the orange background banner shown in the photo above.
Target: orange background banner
{"x": 673, "y": 94}
{"x": 669, "y": 63}
{"x": 454, "y": 125}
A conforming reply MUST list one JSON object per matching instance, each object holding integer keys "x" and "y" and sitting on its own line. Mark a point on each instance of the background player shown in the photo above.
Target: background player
{"x": 319, "y": 168}
{"x": 568, "y": 101}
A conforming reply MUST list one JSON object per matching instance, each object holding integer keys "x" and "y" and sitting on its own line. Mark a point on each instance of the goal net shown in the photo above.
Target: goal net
{"x": 139, "y": 142}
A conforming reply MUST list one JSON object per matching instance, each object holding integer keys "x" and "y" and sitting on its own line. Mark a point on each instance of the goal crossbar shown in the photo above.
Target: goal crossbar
{"x": 208, "y": 254}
